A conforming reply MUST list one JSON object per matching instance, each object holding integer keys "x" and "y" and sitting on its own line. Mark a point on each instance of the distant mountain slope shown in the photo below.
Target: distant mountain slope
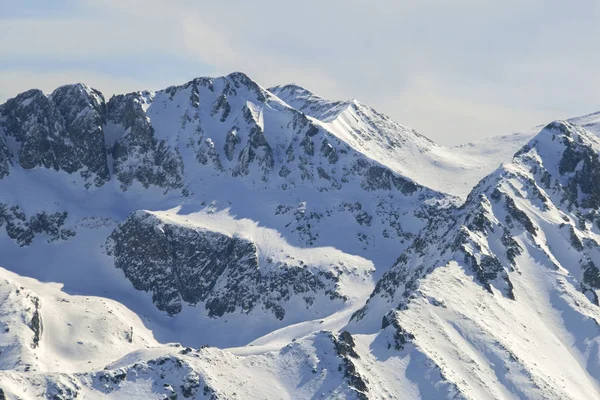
{"x": 453, "y": 170}
{"x": 590, "y": 122}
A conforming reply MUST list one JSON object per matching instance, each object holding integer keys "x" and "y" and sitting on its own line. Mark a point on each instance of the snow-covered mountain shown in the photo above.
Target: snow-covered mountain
{"x": 453, "y": 170}
{"x": 501, "y": 300}
{"x": 218, "y": 163}
{"x": 296, "y": 248}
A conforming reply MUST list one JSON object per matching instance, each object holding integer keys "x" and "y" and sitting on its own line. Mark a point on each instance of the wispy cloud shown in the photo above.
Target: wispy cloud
{"x": 455, "y": 70}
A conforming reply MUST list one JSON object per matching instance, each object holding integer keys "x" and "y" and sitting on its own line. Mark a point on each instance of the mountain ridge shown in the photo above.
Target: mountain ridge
{"x": 293, "y": 247}
{"x": 523, "y": 223}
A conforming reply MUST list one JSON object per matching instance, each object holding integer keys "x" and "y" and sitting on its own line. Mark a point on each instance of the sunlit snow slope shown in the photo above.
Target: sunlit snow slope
{"x": 453, "y": 170}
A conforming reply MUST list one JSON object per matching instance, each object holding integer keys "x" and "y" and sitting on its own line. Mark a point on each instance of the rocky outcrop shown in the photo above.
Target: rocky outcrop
{"x": 23, "y": 229}
{"x": 344, "y": 346}
{"x": 187, "y": 382}
{"x": 63, "y": 132}
{"x": 36, "y": 322}
{"x": 138, "y": 155}
{"x": 183, "y": 265}
{"x": 5, "y": 158}
{"x": 84, "y": 115}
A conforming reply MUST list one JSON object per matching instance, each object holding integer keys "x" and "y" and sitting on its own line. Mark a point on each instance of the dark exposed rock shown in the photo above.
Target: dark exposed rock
{"x": 240, "y": 79}
{"x": 231, "y": 141}
{"x": 591, "y": 275}
{"x": 84, "y": 114}
{"x": 380, "y": 178}
{"x": 36, "y": 322}
{"x": 138, "y": 155}
{"x": 489, "y": 269}
{"x": 221, "y": 106}
{"x": 344, "y": 346}
{"x": 284, "y": 171}
{"x": 479, "y": 221}
{"x": 514, "y": 213}
{"x": 575, "y": 241}
{"x": 36, "y": 124}
{"x": 308, "y": 145}
{"x": 312, "y": 131}
{"x": 23, "y": 229}
{"x": 585, "y": 181}
{"x": 61, "y": 132}
{"x": 363, "y": 218}
{"x": 513, "y": 249}
{"x": 258, "y": 151}
{"x": 328, "y": 151}
{"x": 401, "y": 337}
{"x": 179, "y": 264}
{"x": 206, "y": 152}
{"x": 5, "y": 158}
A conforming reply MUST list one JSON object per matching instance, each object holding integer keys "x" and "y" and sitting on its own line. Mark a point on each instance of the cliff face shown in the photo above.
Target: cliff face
{"x": 63, "y": 131}
{"x": 186, "y": 265}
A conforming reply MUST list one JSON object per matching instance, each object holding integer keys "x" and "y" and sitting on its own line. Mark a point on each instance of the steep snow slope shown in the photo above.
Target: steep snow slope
{"x": 453, "y": 170}
{"x": 501, "y": 300}
{"x": 46, "y": 330}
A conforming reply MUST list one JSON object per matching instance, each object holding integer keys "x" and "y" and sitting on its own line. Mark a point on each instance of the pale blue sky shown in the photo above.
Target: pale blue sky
{"x": 455, "y": 70}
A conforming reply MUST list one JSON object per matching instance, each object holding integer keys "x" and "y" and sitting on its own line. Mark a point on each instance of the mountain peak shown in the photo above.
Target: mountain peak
{"x": 24, "y": 99}
{"x": 79, "y": 86}
{"x": 66, "y": 96}
{"x": 557, "y": 137}
{"x": 292, "y": 89}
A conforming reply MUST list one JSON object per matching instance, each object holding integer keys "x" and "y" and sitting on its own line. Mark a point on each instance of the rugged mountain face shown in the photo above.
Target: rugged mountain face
{"x": 222, "y": 147}
{"x": 548, "y": 187}
{"x": 238, "y": 129}
{"x": 220, "y": 213}
{"x": 194, "y": 265}
{"x": 510, "y": 281}
{"x": 138, "y": 155}
{"x": 197, "y": 141}
{"x": 62, "y": 131}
